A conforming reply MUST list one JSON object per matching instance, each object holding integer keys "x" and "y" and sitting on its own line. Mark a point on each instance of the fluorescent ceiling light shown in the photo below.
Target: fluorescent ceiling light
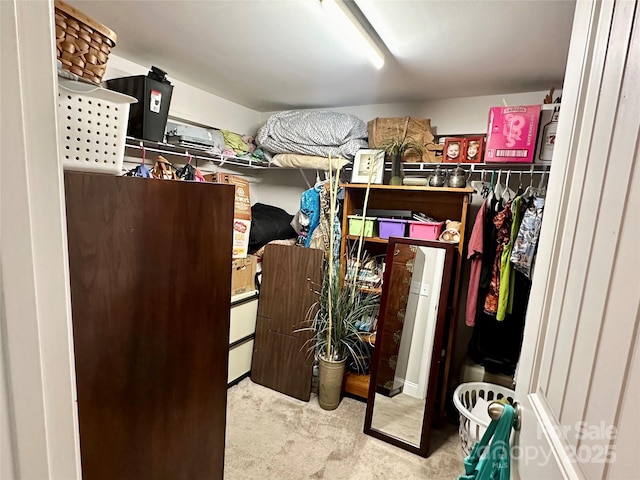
{"x": 353, "y": 32}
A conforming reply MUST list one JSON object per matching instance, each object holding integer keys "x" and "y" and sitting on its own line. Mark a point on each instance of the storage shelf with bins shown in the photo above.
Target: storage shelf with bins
{"x": 441, "y": 203}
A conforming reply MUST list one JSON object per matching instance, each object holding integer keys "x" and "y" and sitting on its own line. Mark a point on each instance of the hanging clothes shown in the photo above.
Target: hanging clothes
{"x": 199, "y": 176}
{"x": 328, "y": 227}
{"x": 505, "y": 296}
{"x": 496, "y": 344}
{"x": 310, "y": 208}
{"x": 475, "y": 249}
{"x": 187, "y": 173}
{"x": 139, "y": 171}
{"x": 502, "y": 221}
{"x": 163, "y": 169}
{"x": 526, "y": 242}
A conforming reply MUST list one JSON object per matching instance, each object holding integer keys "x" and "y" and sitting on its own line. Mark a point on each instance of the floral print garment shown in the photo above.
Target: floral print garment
{"x": 524, "y": 248}
{"x": 502, "y": 222}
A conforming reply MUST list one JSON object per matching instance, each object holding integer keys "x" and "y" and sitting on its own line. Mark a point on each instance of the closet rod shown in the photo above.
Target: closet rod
{"x": 473, "y": 167}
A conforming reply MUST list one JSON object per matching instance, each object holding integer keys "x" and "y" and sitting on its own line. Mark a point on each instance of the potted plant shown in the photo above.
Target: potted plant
{"x": 340, "y": 307}
{"x": 395, "y": 149}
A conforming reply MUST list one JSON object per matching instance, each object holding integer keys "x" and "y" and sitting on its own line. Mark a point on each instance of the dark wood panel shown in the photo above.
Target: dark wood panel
{"x": 150, "y": 265}
{"x": 281, "y": 357}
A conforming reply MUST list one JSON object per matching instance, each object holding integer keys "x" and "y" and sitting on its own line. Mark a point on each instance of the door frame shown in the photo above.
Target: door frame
{"x": 37, "y": 349}
{"x": 39, "y": 431}
{"x": 580, "y": 98}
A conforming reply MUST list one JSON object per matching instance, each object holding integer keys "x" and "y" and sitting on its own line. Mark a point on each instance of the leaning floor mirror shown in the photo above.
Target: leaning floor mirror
{"x": 406, "y": 359}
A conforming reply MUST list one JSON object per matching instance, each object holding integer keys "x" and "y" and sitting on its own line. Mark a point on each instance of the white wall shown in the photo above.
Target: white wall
{"x": 470, "y": 114}
{"x": 459, "y": 115}
{"x": 462, "y": 115}
{"x": 283, "y": 188}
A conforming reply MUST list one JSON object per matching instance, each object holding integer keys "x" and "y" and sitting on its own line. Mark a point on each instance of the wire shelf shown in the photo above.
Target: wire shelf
{"x": 191, "y": 151}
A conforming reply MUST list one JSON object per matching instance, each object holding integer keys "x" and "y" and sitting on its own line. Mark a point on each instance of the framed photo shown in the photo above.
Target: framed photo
{"x": 472, "y": 150}
{"x": 368, "y": 162}
{"x": 452, "y": 152}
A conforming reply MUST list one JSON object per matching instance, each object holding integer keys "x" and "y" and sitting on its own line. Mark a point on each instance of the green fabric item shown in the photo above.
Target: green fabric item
{"x": 505, "y": 296}
{"x": 234, "y": 141}
{"x": 490, "y": 458}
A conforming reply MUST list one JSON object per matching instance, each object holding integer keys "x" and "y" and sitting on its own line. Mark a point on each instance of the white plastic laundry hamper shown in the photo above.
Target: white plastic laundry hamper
{"x": 465, "y": 398}
{"x": 92, "y": 126}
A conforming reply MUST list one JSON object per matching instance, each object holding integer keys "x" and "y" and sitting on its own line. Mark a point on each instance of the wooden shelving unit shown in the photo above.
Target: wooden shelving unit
{"x": 368, "y": 239}
{"x": 356, "y": 385}
{"x": 441, "y": 203}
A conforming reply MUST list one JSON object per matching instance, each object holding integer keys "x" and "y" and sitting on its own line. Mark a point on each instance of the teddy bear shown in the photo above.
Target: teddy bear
{"x": 451, "y": 233}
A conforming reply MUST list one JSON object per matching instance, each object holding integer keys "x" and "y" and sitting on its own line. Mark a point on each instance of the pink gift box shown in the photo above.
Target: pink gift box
{"x": 512, "y": 133}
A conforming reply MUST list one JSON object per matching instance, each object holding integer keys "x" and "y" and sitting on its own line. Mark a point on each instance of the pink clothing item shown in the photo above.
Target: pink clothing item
{"x": 475, "y": 248}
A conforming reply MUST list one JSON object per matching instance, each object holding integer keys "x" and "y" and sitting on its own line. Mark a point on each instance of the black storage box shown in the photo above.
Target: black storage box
{"x": 148, "y": 117}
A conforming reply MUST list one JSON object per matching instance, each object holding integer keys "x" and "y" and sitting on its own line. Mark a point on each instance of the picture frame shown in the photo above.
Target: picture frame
{"x": 368, "y": 162}
{"x": 472, "y": 150}
{"x": 452, "y": 151}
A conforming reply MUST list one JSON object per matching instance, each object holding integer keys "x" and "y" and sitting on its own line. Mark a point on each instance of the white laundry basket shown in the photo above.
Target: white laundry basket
{"x": 465, "y": 398}
{"x": 92, "y": 126}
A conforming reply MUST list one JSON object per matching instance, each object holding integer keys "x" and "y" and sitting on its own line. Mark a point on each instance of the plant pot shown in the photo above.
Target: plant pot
{"x": 331, "y": 375}
{"x": 396, "y": 170}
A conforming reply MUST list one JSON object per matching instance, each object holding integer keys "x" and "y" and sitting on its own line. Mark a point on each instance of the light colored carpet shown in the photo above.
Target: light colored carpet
{"x": 273, "y": 436}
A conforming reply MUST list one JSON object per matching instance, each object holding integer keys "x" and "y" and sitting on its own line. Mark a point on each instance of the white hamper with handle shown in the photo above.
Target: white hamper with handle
{"x": 474, "y": 421}
{"x": 92, "y": 127}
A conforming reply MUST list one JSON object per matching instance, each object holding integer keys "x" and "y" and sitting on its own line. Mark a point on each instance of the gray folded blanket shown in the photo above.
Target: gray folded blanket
{"x": 317, "y": 132}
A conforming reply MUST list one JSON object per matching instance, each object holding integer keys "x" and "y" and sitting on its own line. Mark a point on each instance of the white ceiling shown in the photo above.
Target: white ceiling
{"x": 281, "y": 54}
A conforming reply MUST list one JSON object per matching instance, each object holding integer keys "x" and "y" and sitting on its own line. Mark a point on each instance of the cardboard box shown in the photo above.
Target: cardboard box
{"x": 512, "y": 134}
{"x": 241, "y": 230}
{"x": 243, "y": 273}
{"x": 242, "y": 204}
{"x": 241, "y": 211}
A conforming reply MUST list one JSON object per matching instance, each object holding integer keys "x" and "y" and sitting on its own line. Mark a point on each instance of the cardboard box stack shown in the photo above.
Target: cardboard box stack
{"x": 241, "y": 212}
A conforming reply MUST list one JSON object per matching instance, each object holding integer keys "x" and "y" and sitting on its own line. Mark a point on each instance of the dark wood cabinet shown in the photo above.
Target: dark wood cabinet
{"x": 150, "y": 269}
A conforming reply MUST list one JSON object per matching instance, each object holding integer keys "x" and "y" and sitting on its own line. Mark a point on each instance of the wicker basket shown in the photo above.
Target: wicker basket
{"x": 382, "y": 130}
{"x": 83, "y": 44}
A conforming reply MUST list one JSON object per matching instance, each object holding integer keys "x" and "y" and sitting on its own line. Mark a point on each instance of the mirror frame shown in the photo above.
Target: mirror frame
{"x": 451, "y": 250}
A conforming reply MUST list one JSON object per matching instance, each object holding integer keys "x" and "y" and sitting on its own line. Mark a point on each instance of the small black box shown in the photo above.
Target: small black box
{"x": 148, "y": 117}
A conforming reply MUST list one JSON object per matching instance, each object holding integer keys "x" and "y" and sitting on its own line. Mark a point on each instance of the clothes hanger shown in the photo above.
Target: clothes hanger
{"x": 532, "y": 191}
{"x": 508, "y": 194}
{"x": 520, "y": 181}
{"x": 498, "y": 188}
{"x": 481, "y": 186}
{"x": 489, "y": 194}
{"x": 477, "y": 185}
{"x": 187, "y": 172}
{"x": 542, "y": 187}
{"x": 140, "y": 170}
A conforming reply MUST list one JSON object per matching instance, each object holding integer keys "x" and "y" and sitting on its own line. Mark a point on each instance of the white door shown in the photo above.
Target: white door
{"x": 579, "y": 374}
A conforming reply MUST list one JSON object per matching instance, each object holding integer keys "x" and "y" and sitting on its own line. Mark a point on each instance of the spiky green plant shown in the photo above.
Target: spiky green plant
{"x": 399, "y": 145}
{"x": 340, "y": 305}
{"x": 337, "y": 334}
